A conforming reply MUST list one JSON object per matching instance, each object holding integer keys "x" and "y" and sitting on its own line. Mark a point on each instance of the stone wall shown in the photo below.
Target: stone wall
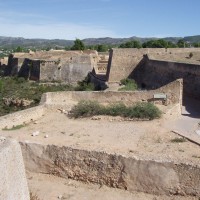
{"x": 123, "y": 61}
{"x": 12, "y": 68}
{"x": 21, "y": 117}
{"x": 150, "y": 72}
{"x": 172, "y": 90}
{"x": 68, "y": 67}
{"x": 13, "y": 184}
{"x": 70, "y": 71}
{"x": 154, "y": 74}
{"x": 30, "y": 69}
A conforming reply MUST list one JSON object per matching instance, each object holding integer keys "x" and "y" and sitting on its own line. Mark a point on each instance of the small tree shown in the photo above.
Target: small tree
{"x": 190, "y": 55}
{"x": 78, "y": 45}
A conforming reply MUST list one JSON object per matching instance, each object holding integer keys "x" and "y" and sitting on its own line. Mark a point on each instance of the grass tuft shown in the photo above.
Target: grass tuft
{"x": 14, "y": 128}
{"x": 33, "y": 196}
{"x": 178, "y": 140}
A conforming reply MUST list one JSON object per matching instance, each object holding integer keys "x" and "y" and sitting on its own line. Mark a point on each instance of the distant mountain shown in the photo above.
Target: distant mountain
{"x": 11, "y": 42}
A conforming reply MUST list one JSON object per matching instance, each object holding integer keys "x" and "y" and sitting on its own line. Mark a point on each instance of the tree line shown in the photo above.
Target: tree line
{"x": 79, "y": 45}
{"x": 160, "y": 43}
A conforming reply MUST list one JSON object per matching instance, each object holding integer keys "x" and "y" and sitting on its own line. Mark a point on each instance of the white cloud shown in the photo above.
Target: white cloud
{"x": 54, "y": 31}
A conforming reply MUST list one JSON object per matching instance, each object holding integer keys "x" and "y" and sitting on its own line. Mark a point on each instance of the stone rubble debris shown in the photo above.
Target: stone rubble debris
{"x": 96, "y": 118}
{"x": 2, "y": 139}
{"x": 63, "y": 111}
{"x": 198, "y": 132}
{"x": 36, "y": 133}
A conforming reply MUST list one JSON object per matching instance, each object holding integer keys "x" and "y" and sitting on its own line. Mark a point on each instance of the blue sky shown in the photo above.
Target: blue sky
{"x": 70, "y": 19}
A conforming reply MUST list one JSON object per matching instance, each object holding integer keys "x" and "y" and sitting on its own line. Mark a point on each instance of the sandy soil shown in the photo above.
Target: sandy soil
{"x": 141, "y": 139}
{"x": 178, "y": 57}
{"x": 46, "y": 189}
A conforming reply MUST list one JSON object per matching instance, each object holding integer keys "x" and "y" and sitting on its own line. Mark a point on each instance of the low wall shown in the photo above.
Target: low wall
{"x": 13, "y": 183}
{"x": 113, "y": 170}
{"x": 21, "y": 117}
{"x": 172, "y": 90}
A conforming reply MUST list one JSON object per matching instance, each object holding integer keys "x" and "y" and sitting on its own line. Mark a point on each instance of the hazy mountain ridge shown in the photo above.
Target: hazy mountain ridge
{"x": 30, "y": 43}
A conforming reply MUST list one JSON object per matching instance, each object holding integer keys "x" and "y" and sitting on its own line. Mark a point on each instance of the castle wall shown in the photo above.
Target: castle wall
{"x": 70, "y": 71}
{"x": 123, "y": 61}
{"x": 12, "y": 68}
{"x": 154, "y": 74}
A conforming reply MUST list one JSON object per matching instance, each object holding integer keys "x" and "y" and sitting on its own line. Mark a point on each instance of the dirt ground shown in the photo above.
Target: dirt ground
{"x": 139, "y": 139}
{"x": 46, "y": 189}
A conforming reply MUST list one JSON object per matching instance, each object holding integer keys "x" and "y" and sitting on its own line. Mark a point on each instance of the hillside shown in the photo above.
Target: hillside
{"x": 10, "y": 42}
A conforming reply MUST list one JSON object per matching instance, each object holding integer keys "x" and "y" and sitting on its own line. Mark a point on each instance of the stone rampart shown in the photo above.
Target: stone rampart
{"x": 70, "y": 71}
{"x": 123, "y": 61}
{"x": 155, "y": 73}
{"x": 13, "y": 183}
{"x": 69, "y": 67}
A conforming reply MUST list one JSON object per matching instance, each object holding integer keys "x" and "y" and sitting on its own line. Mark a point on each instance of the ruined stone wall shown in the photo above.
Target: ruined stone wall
{"x": 13, "y": 183}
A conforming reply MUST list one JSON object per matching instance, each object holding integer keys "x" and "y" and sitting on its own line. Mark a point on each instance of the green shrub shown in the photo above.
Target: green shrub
{"x": 191, "y": 55}
{"x": 19, "y": 88}
{"x": 140, "y": 110}
{"x": 129, "y": 85}
{"x": 117, "y": 109}
{"x": 85, "y": 85}
{"x": 126, "y": 81}
{"x": 86, "y": 109}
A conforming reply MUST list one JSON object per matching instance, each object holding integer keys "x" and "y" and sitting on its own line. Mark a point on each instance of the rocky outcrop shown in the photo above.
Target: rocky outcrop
{"x": 17, "y": 102}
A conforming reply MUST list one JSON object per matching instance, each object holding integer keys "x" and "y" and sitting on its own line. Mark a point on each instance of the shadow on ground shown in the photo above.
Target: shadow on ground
{"x": 191, "y": 107}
